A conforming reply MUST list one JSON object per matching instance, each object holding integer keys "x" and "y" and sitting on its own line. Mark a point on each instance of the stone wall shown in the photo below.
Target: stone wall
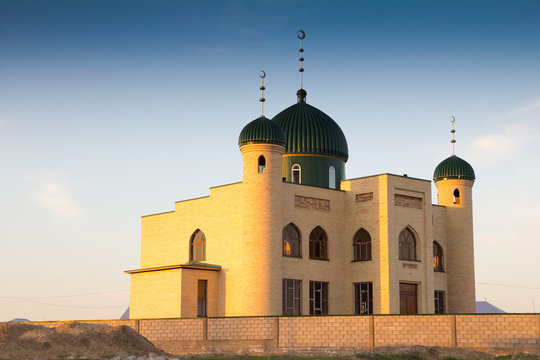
{"x": 495, "y": 333}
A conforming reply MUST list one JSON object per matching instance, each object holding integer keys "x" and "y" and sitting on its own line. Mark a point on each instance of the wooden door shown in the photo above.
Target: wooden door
{"x": 407, "y": 298}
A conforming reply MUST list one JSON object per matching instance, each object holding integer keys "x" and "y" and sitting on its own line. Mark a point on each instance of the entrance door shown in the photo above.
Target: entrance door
{"x": 407, "y": 298}
{"x": 201, "y": 297}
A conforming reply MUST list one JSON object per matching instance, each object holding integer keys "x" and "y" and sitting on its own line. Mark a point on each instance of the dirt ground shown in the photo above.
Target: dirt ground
{"x": 93, "y": 341}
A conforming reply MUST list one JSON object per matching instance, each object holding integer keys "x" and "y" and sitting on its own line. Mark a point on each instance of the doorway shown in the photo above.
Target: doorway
{"x": 408, "y": 298}
{"x": 202, "y": 289}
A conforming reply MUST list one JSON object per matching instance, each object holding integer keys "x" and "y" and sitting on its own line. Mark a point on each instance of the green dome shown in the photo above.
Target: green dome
{"x": 310, "y": 131}
{"x": 453, "y": 168}
{"x": 262, "y": 131}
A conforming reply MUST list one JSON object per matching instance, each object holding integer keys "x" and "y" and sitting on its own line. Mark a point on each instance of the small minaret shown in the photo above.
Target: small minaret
{"x": 454, "y": 178}
{"x": 262, "y": 143}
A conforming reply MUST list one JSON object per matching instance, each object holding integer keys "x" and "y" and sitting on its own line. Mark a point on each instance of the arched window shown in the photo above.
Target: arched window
{"x": 296, "y": 174}
{"x": 318, "y": 244}
{"x": 437, "y": 257}
{"x": 332, "y": 177}
{"x": 456, "y": 196}
{"x": 291, "y": 241}
{"x": 407, "y": 245}
{"x": 361, "y": 245}
{"x": 262, "y": 164}
{"x": 197, "y": 246}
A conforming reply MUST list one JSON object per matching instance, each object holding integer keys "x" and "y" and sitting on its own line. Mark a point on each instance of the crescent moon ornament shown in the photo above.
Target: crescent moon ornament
{"x": 453, "y": 119}
{"x": 301, "y": 34}
{"x": 262, "y": 74}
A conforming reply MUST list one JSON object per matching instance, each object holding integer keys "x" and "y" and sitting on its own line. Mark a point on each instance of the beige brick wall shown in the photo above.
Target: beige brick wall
{"x": 325, "y": 332}
{"x": 172, "y": 329}
{"x": 434, "y": 330}
{"x": 498, "y": 331}
{"x": 511, "y": 333}
{"x": 241, "y": 329}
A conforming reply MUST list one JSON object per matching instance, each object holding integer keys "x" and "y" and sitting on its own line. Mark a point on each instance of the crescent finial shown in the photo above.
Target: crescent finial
{"x": 301, "y": 34}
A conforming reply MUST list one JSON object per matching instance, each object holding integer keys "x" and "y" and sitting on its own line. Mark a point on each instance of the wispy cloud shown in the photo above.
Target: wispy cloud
{"x": 526, "y": 108}
{"x": 511, "y": 140}
{"x": 52, "y": 194}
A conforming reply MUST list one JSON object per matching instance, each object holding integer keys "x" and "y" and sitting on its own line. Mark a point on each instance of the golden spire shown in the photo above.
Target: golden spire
{"x": 301, "y": 35}
{"x": 262, "y": 75}
{"x": 453, "y": 141}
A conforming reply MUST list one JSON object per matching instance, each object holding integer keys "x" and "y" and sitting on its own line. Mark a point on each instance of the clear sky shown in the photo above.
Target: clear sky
{"x": 110, "y": 110}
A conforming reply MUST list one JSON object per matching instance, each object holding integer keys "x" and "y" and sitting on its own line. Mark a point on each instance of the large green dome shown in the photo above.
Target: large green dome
{"x": 262, "y": 130}
{"x": 453, "y": 168}
{"x": 310, "y": 131}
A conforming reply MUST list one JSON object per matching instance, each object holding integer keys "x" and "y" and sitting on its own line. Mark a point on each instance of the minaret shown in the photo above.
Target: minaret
{"x": 454, "y": 178}
{"x": 262, "y": 143}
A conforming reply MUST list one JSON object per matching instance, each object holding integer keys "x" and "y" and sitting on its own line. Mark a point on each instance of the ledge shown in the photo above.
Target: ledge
{"x": 190, "y": 265}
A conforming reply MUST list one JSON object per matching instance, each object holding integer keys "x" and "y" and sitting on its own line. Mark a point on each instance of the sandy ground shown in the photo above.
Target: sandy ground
{"x": 93, "y": 341}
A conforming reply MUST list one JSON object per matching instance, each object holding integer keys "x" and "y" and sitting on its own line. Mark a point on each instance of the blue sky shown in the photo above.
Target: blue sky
{"x": 110, "y": 110}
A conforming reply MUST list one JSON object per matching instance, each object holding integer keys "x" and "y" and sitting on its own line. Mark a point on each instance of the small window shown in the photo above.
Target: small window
{"x": 318, "y": 244}
{"x": 332, "y": 177}
{"x": 318, "y": 298}
{"x": 361, "y": 245}
{"x": 439, "y": 302}
{"x": 296, "y": 174}
{"x": 292, "y": 297}
{"x": 291, "y": 241}
{"x": 262, "y": 165}
{"x": 437, "y": 257}
{"x": 456, "y": 196}
{"x": 407, "y": 245}
{"x": 363, "y": 298}
{"x": 197, "y": 246}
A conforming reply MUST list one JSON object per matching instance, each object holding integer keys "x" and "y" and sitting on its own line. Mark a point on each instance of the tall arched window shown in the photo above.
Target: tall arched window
{"x": 291, "y": 241}
{"x": 296, "y": 174}
{"x": 262, "y": 164}
{"x": 332, "y": 177}
{"x": 361, "y": 245}
{"x": 318, "y": 244}
{"x": 456, "y": 196}
{"x": 197, "y": 246}
{"x": 438, "y": 264}
{"x": 407, "y": 245}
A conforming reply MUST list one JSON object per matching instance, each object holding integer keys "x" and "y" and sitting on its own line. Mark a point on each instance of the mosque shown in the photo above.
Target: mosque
{"x": 296, "y": 237}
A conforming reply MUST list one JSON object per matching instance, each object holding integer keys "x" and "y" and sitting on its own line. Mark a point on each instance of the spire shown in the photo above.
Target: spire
{"x": 301, "y": 35}
{"x": 453, "y": 141}
{"x": 262, "y": 75}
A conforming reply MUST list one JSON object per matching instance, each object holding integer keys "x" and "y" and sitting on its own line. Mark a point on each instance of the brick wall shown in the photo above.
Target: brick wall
{"x": 512, "y": 333}
{"x": 415, "y": 330}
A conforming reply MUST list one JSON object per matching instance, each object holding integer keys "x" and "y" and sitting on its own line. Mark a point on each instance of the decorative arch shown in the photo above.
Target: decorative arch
{"x": 407, "y": 244}
{"x": 318, "y": 244}
{"x": 457, "y": 198}
{"x": 292, "y": 245}
{"x": 296, "y": 171}
{"x": 438, "y": 257}
{"x": 197, "y": 246}
{"x": 361, "y": 245}
{"x": 261, "y": 162}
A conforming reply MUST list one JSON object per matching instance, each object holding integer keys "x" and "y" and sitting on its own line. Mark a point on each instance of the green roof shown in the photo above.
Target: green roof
{"x": 453, "y": 168}
{"x": 262, "y": 130}
{"x": 310, "y": 131}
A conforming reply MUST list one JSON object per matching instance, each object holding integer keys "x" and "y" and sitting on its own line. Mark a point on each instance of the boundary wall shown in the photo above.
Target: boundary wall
{"x": 493, "y": 333}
